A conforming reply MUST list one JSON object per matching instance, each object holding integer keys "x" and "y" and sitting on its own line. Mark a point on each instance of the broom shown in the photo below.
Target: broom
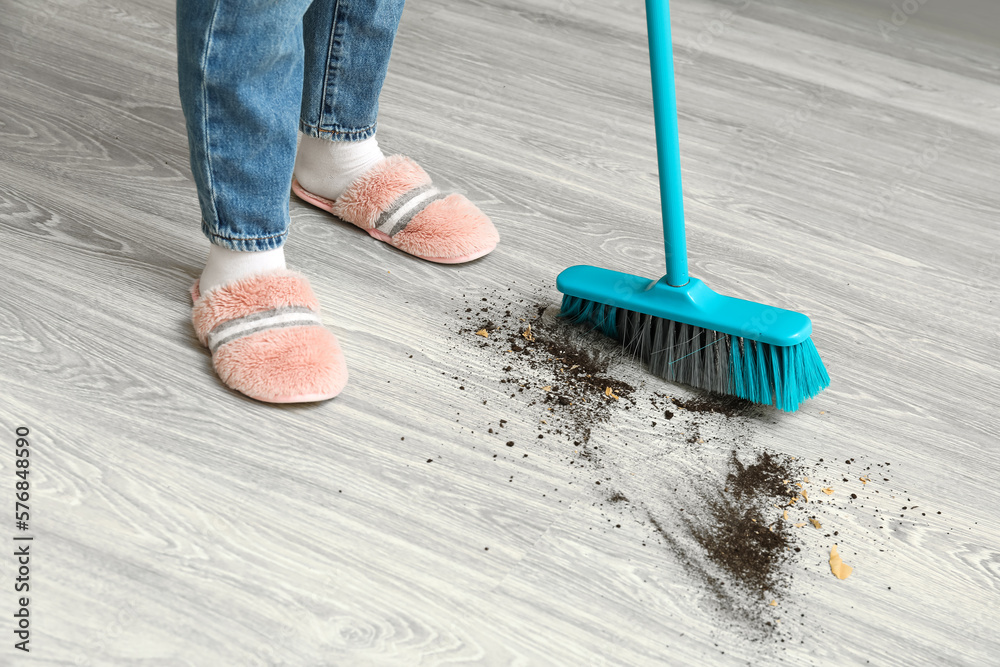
{"x": 681, "y": 328}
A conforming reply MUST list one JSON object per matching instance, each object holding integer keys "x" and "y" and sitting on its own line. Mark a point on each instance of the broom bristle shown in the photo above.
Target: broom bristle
{"x": 782, "y": 376}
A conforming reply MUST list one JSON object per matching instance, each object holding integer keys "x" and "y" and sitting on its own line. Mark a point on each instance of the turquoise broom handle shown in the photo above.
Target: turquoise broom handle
{"x": 668, "y": 153}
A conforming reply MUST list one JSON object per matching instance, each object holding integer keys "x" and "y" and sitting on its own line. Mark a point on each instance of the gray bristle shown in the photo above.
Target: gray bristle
{"x": 677, "y": 351}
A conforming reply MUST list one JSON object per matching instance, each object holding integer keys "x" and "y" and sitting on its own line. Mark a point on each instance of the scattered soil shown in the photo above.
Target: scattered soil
{"x": 767, "y": 478}
{"x": 740, "y": 539}
{"x": 730, "y": 535}
{"x": 548, "y": 360}
{"x": 739, "y": 542}
{"x": 737, "y": 518}
{"x": 728, "y": 406}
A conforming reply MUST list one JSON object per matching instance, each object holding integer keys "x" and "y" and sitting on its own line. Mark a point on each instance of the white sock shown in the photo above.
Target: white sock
{"x": 326, "y": 168}
{"x": 225, "y": 265}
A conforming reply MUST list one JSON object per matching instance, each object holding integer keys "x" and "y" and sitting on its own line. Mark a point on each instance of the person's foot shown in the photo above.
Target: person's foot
{"x": 267, "y": 338}
{"x": 225, "y": 265}
{"x": 326, "y": 167}
{"x": 395, "y": 202}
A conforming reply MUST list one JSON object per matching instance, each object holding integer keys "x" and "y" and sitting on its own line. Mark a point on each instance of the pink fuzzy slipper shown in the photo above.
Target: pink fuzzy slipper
{"x": 395, "y": 202}
{"x": 267, "y": 339}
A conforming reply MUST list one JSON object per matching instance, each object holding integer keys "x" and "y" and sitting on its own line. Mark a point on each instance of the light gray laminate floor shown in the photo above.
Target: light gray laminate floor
{"x": 827, "y": 169}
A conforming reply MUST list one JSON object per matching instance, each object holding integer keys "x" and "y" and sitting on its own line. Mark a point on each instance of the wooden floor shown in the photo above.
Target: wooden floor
{"x": 828, "y": 169}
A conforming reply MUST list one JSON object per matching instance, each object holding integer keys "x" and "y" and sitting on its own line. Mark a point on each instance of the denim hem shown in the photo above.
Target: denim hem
{"x": 251, "y": 244}
{"x": 338, "y": 133}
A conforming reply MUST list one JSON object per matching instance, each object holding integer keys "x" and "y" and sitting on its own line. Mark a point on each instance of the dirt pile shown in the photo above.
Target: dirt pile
{"x": 735, "y": 516}
{"x": 557, "y": 365}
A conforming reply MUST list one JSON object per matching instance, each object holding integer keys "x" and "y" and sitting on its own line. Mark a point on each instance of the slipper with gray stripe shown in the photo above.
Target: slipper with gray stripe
{"x": 396, "y": 202}
{"x": 267, "y": 339}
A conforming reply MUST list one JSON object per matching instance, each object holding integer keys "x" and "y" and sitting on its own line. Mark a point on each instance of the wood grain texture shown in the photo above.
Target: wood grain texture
{"x": 827, "y": 170}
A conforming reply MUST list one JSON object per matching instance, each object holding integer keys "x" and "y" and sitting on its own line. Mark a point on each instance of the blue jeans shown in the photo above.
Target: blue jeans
{"x": 247, "y": 70}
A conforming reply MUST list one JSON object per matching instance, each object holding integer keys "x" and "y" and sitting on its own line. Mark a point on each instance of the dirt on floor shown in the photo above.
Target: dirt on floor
{"x": 736, "y": 516}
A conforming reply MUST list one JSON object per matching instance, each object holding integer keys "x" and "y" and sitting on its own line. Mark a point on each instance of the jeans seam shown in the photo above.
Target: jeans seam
{"x": 204, "y": 101}
{"x": 319, "y": 128}
{"x": 326, "y": 66}
{"x": 248, "y": 238}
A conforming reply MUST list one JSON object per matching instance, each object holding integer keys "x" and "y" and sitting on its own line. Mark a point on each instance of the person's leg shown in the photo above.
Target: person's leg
{"x": 347, "y": 50}
{"x": 340, "y": 167}
{"x": 239, "y": 70}
{"x": 240, "y": 65}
